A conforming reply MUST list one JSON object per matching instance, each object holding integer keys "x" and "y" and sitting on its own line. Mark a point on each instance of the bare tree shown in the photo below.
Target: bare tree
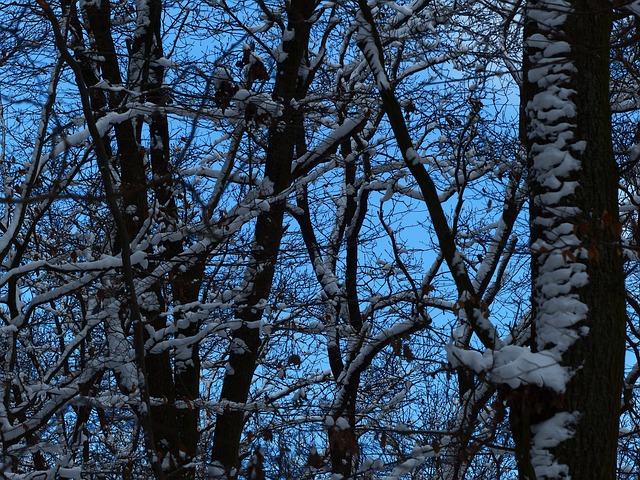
{"x": 358, "y": 239}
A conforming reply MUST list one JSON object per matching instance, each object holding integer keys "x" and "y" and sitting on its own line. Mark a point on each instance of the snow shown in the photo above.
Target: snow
{"x": 371, "y": 464}
{"x": 242, "y": 95}
{"x": 457, "y": 264}
{"x": 555, "y": 154}
{"x": 557, "y": 157}
{"x": 550, "y": 14}
{"x": 549, "y": 434}
{"x": 216, "y": 472}
{"x": 418, "y": 456}
{"x": 514, "y": 366}
{"x": 74, "y": 472}
{"x": 412, "y": 157}
{"x": 372, "y": 53}
{"x": 337, "y": 134}
{"x": 552, "y": 115}
{"x": 165, "y": 62}
{"x": 342, "y": 424}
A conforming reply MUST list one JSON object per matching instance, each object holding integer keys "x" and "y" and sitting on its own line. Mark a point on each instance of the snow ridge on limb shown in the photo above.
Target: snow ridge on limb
{"x": 554, "y": 162}
{"x": 632, "y": 6}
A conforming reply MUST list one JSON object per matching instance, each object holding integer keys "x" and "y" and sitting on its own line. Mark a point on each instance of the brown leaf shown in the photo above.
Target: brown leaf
{"x": 484, "y": 307}
{"x": 257, "y": 71}
{"x": 607, "y": 218}
{"x": 457, "y": 306}
{"x": 427, "y": 289}
{"x": 396, "y": 344}
{"x": 407, "y": 353}
{"x": 314, "y": 460}
{"x": 224, "y": 94}
{"x": 568, "y": 254}
{"x": 294, "y": 360}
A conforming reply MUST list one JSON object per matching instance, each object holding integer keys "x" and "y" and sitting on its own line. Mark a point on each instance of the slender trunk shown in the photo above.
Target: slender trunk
{"x": 266, "y": 244}
{"x": 343, "y": 442}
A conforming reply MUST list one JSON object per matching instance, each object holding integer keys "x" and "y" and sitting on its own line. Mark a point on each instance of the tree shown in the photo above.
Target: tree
{"x": 284, "y": 137}
{"x": 576, "y": 252}
{"x": 575, "y": 241}
{"x": 300, "y": 239}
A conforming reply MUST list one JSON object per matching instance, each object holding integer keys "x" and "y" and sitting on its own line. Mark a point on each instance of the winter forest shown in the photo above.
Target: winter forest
{"x": 315, "y": 239}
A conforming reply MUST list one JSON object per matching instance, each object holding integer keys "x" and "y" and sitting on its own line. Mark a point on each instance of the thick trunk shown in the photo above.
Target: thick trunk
{"x": 578, "y": 282}
{"x": 595, "y": 390}
{"x": 174, "y": 429}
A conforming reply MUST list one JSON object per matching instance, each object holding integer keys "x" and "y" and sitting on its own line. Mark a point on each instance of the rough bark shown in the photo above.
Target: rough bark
{"x": 596, "y": 357}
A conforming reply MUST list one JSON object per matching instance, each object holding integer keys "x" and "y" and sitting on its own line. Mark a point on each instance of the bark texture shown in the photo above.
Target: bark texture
{"x": 595, "y": 357}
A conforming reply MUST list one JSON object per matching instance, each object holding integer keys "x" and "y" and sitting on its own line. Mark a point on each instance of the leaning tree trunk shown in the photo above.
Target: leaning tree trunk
{"x": 578, "y": 283}
{"x": 266, "y": 244}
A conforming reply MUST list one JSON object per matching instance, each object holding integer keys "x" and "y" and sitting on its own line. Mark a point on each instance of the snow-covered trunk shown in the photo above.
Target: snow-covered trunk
{"x": 578, "y": 288}
{"x": 266, "y": 243}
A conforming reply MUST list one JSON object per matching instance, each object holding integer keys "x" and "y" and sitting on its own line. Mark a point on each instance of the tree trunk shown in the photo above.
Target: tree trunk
{"x": 174, "y": 428}
{"x": 578, "y": 294}
{"x": 266, "y": 244}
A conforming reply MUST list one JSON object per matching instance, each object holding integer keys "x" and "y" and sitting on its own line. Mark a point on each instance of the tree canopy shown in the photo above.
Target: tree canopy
{"x": 295, "y": 239}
